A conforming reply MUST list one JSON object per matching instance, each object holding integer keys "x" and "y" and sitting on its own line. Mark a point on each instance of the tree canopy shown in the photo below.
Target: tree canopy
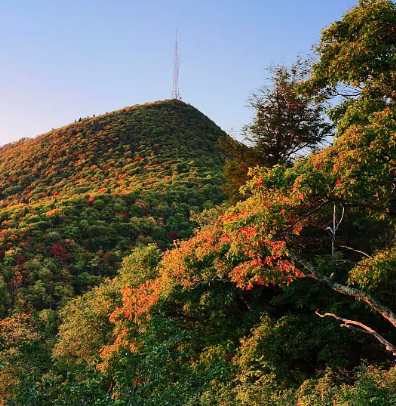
{"x": 286, "y": 125}
{"x": 285, "y": 122}
{"x": 285, "y": 298}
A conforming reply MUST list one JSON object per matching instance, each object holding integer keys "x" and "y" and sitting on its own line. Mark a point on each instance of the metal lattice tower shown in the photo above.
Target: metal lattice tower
{"x": 175, "y": 92}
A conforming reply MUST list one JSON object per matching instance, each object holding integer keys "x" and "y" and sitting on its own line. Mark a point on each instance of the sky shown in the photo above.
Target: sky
{"x": 65, "y": 59}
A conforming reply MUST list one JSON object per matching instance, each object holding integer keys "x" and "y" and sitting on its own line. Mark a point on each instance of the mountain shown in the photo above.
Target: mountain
{"x": 75, "y": 200}
{"x": 286, "y": 298}
{"x": 117, "y": 152}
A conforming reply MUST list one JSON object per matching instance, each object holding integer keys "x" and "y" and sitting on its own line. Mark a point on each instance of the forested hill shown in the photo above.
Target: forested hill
{"x": 286, "y": 298}
{"x": 119, "y": 151}
{"x": 76, "y": 200}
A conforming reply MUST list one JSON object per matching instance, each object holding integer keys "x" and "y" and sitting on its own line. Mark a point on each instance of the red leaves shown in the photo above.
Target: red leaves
{"x": 91, "y": 200}
{"x": 20, "y": 258}
{"x": 247, "y": 274}
{"x": 248, "y": 233}
{"x": 60, "y": 252}
{"x": 124, "y": 215}
{"x": 172, "y": 235}
{"x": 19, "y": 277}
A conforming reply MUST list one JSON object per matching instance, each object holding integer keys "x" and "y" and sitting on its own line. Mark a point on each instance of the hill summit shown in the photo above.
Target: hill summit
{"x": 118, "y": 151}
{"x": 76, "y": 200}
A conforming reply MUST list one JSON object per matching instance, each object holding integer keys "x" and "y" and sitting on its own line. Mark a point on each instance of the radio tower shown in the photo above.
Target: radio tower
{"x": 175, "y": 92}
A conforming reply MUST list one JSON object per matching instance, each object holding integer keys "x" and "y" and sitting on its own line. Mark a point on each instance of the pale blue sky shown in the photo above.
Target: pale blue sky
{"x": 65, "y": 59}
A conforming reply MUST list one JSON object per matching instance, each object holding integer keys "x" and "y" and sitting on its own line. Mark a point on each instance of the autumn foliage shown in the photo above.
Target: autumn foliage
{"x": 286, "y": 297}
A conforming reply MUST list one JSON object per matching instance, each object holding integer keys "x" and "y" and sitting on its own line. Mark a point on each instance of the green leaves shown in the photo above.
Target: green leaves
{"x": 286, "y": 124}
{"x": 359, "y": 51}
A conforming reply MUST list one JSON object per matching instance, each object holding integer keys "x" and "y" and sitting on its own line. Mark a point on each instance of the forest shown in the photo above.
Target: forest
{"x": 148, "y": 258}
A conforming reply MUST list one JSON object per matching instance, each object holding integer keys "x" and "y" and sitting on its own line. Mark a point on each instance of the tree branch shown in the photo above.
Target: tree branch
{"x": 309, "y": 213}
{"x": 358, "y": 251}
{"x": 384, "y": 311}
{"x": 357, "y": 326}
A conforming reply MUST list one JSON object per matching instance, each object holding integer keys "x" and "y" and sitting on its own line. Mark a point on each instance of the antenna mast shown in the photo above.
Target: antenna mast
{"x": 175, "y": 92}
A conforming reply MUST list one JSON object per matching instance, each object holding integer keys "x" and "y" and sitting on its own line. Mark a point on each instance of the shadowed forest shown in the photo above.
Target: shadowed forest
{"x": 148, "y": 258}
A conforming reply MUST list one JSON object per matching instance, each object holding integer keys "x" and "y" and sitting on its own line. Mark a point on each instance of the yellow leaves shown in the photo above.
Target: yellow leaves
{"x": 7, "y": 223}
{"x": 370, "y": 273}
{"x": 54, "y": 212}
{"x": 15, "y": 332}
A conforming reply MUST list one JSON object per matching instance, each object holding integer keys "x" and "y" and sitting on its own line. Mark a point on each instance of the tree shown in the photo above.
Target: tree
{"x": 274, "y": 238}
{"x": 228, "y": 316}
{"x": 241, "y": 158}
{"x": 286, "y": 125}
{"x": 357, "y": 54}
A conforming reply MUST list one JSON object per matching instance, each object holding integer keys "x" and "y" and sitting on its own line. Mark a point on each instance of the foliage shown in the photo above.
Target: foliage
{"x": 77, "y": 200}
{"x": 363, "y": 44}
{"x": 286, "y": 125}
{"x": 230, "y": 315}
{"x": 99, "y": 200}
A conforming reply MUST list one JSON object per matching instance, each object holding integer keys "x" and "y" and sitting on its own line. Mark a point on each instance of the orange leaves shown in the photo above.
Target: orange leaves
{"x": 133, "y": 315}
{"x": 137, "y": 301}
{"x": 19, "y": 277}
{"x": 247, "y": 274}
{"x": 271, "y": 268}
{"x": 54, "y": 212}
{"x": 241, "y": 247}
{"x": 248, "y": 233}
{"x": 16, "y": 330}
{"x": 246, "y": 246}
{"x": 91, "y": 199}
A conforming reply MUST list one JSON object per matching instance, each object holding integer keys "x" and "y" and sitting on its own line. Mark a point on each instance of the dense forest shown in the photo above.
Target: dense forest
{"x": 128, "y": 277}
{"x": 75, "y": 201}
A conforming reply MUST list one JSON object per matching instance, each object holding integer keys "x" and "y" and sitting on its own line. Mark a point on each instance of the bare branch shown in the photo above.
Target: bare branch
{"x": 384, "y": 311}
{"x": 336, "y": 225}
{"x": 357, "y": 326}
{"x": 347, "y": 95}
{"x": 342, "y": 218}
{"x": 217, "y": 278}
{"x": 246, "y": 303}
{"x": 358, "y": 251}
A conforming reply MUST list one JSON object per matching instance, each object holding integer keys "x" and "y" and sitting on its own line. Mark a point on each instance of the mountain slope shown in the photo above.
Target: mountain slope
{"x": 110, "y": 151}
{"x": 74, "y": 201}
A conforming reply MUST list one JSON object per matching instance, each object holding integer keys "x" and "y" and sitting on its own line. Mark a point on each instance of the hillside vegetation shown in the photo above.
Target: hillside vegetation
{"x": 286, "y": 298}
{"x": 117, "y": 152}
{"x": 76, "y": 200}
{"x": 79, "y": 197}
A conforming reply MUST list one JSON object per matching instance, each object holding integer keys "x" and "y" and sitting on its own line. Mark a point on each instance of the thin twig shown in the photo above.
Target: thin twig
{"x": 336, "y": 225}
